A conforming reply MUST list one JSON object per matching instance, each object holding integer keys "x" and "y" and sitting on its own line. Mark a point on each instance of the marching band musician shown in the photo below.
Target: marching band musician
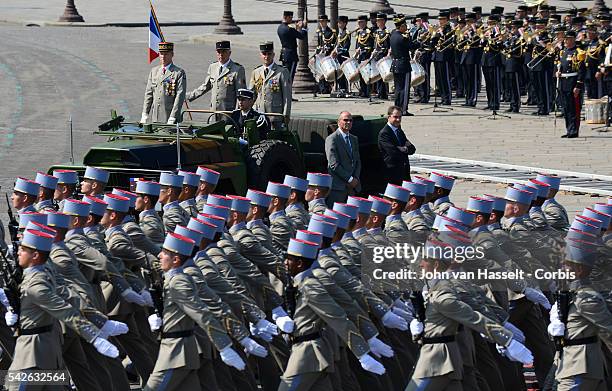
{"x": 491, "y": 63}
{"x": 423, "y": 36}
{"x": 513, "y": 65}
{"x": 381, "y": 50}
{"x": 401, "y": 45}
{"x": 364, "y": 46}
{"x": 570, "y": 70}
{"x": 459, "y": 77}
{"x": 288, "y": 33}
{"x": 442, "y": 56}
{"x": 595, "y": 49}
{"x": 470, "y": 60}
{"x": 326, "y": 41}
{"x": 540, "y": 67}
{"x": 341, "y": 52}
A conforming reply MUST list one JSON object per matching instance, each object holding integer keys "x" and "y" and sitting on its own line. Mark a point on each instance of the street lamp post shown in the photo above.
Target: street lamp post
{"x": 382, "y": 6}
{"x": 227, "y": 24}
{"x": 333, "y": 13}
{"x": 303, "y": 80}
{"x": 70, "y": 13}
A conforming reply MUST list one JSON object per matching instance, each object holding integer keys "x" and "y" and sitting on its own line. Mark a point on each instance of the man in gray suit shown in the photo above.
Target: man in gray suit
{"x": 343, "y": 161}
{"x": 165, "y": 91}
{"x": 225, "y": 77}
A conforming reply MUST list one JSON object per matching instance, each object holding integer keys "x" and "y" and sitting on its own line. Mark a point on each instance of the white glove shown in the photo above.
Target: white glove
{"x": 105, "y": 348}
{"x": 266, "y": 327}
{"x": 404, "y": 306}
{"x": 535, "y": 296}
{"x": 132, "y": 297}
{"x": 171, "y": 121}
{"x": 556, "y": 329}
{"x": 379, "y": 348}
{"x": 231, "y": 358}
{"x": 4, "y": 299}
{"x": 283, "y": 321}
{"x": 144, "y": 118}
{"x": 261, "y": 334}
{"x": 516, "y": 351}
{"x": 11, "y": 318}
{"x": 252, "y": 347}
{"x": 155, "y": 322}
{"x": 416, "y": 327}
{"x": 554, "y": 313}
{"x": 146, "y": 296}
{"x": 393, "y": 321}
{"x": 516, "y": 332}
{"x": 112, "y": 328}
{"x": 404, "y": 314}
{"x": 371, "y": 365}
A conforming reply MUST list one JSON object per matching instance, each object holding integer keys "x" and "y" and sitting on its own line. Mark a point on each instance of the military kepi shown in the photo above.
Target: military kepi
{"x": 165, "y": 47}
{"x": 296, "y": 183}
{"x": 96, "y": 174}
{"x": 46, "y": 181}
{"x": 223, "y": 45}
{"x": 66, "y": 177}
{"x": 267, "y": 46}
{"x": 442, "y": 181}
{"x": 37, "y": 240}
{"x": 178, "y": 244}
{"x": 258, "y": 198}
{"x": 172, "y": 180}
{"x": 245, "y": 93}
{"x": 515, "y": 195}
{"x": 117, "y": 203}
{"x": 208, "y": 175}
{"x": 76, "y": 208}
{"x": 148, "y": 188}
{"x": 26, "y": 186}
{"x": 318, "y": 179}
{"x": 302, "y": 248}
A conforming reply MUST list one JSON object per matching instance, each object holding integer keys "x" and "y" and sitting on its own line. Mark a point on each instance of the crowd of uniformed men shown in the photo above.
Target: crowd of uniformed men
{"x": 224, "y": 292}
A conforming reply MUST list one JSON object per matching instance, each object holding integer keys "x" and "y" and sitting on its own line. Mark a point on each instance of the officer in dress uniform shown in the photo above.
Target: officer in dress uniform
{"x": 165, "y": 92}
{"x": 401, "y": 45}
{"x": 224, "y": 78}
{"x": 272, "y": 86}
{"x": 382, "y": 44}
{"x": 571, "y": 72}
{"x": 364, "y": 45}
{"x": 245, "y": 112}
{"x": 470, "y": 60}
{"x": 343, "y": 44}
{"x": 326, "y": 42}
{"x": 288, "y": 35}
{"x": 442, "y": 57}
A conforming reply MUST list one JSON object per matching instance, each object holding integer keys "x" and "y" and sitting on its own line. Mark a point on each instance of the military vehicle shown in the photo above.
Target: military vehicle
{"x": 134, "y": 150}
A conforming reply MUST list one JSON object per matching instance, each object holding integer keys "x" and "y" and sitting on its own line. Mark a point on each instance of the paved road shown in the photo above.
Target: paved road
{"x": 48, "y": 74}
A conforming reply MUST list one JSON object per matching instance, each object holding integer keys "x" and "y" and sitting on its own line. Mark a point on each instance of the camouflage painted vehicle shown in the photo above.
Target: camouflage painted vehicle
{"x": 134, "y": 150}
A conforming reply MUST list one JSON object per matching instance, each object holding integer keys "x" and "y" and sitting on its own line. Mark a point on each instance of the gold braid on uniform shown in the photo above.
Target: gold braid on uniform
{"x": 341, "y": 40}
{"x": 330, "y": 39}
{"x": 379, "y": 40}
{"x": 578, "y": 58}
{"x": 363, "y": 39}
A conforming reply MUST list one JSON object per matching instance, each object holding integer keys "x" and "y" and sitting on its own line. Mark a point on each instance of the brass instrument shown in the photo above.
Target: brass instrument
{"x": 547, "y": 52}
{"x": 448, "y": 40}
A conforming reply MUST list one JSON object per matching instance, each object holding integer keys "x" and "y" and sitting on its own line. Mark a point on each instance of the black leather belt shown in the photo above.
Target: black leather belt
{"x": 580, "y": 341}
{"x": 177, "y": 334}
{"x": 442, "y": 339}
{"x": 304, "y": 338}
{"x": 35, "y": 330}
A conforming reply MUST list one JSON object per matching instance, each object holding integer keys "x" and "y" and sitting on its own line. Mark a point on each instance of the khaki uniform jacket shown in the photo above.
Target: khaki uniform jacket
{"x": 441, "y": 206}
{"x": 273, "y": 92}
{"x": 395, "y": 229}
{"x": 428, "y": 214}
{"x": 354, "y": 248}
{"x": 250, "y": 247}
{"x": 152, "y": 226}
{"x": 314, "y": 310}
{"x": 139, "y": 239}
{"x": 298, "y": 215}
{"x": 68, "y": 267}
{"x": 183, "y": 308}
{"x": 190, "y": 207}
{"x": 539, "y": 219}
{"x": 588, "y": 316}
{"x": 224, "y": 86}
{"x": 174, "y": 215}
{"x": 556, "y": 214}
{"x": 41, "y": 306}
{"x": 264, "y": 235}
{"x": 346, "y": 259}
{"x": 45, "y": 206}
{"x": 165, "y": 94}
{"x": 317, "y": 206}
{"x": 444, "y": 312}
{"x": 282, "y": 230}
{"x": 365, "y": 239}
{"x": 416, "y": 221}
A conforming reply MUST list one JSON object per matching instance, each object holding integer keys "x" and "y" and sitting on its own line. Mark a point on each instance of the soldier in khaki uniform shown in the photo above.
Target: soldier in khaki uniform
{"x": 165, "y": 92}
{"x": 554, "y": 211}
{"x": 148, "y": 219}
{"x": 443, "y": 186}
{"x": 208, "y": 181}
{"x": 348, "y": 241}
{"x": 260, "y": 202}
{"x": 39, "y": 342}
{"x": 295, "y": 205}
{"x": 25, "y": 193}
{"x": 174, "y": 214}
{"x": 313, "y": 308}
{"x": 319, "y": 186}
{"x": 224, "y": 78}
{"x": 428, "y": 214}
{"x": 281, "y": 226}
{"x": 580, "y": 362}
{"x": 395, "y": 227}
{"x": 48, "y": 184}
{"x": 272, "y": 85}
{"x": 191, "y": 182}
{"x": 67, "y": 181}
{"x": 177, "y": 363}
{"x": 413, "y": 213}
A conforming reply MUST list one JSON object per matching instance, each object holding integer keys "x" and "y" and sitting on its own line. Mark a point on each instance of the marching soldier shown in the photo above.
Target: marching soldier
{"x": 25, "y": 193}
{"x": 94, "y": 181}
{"x": 326, "y": 41}
{"x": 245, "y": 112}
{"x": 343, "y": 44}
{"x": 148, "y": 219}
{"x": 319, "y": 186}
{"x": 48, "y": 184}
{"x": 67, "y": 181}
{"x": 288, "y": 35}
{"x": 382, "y": 44}
{"x": 401, "y": 45}
{"x": 165, "y": 92}
{"x": 364, "y": 45}
{"x": 295, "y": 209}
{"x": 191, "y": 182}
{"x": 442, "y": 57}
{"x": 208, "y": 182}
{"x": 555, "y": 213}
{"x": 174, "y": 214}
{"x": 281, "y": 226}
{"x": 272, "y": 86}
{"x": 443, "y": 186}
{"x": 571, "y": 71}
{"x": 224, "y": 78}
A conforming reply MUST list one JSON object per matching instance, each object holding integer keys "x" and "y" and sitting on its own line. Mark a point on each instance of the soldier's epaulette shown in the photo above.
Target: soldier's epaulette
{"x": 237, "y": 63}
{"x": 258, "y": 66}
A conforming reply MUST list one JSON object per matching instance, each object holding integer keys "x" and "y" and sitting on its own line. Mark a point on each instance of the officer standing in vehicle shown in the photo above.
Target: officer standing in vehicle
{"x": 288, "y": 35}
{"x": 165, "y": 92}
{"x": 225, "y": 77}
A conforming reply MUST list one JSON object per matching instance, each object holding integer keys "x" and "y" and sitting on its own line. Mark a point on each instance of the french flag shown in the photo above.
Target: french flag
{"x": 155, "y": 35}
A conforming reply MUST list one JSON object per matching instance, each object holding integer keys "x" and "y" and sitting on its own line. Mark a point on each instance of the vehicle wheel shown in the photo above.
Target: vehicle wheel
{"x": 271, "y": 160}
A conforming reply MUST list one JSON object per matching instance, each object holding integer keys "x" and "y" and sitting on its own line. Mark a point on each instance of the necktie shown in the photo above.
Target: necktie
{"x": 397, "y": 134}
{"x": 220, "y": 70}
{"x": 266, "y": 71}
{"x": 347, "y": 138}
{"x": 163, "y": 70}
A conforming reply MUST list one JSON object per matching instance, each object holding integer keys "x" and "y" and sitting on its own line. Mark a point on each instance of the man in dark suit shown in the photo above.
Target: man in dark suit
{"x": 343, "y": 161}
{"x": 394, "y": 148}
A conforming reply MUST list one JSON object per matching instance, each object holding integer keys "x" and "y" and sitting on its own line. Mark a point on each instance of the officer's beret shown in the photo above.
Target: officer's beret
{"x": 222, "y": 45}
{"x": 287, "y": 13}
{"x": 245, "y": 93}
{"x": 343, "y": 18}
{"x": 166, "y": 47}
{"x": 570, "y": 34}
{"x": 381, "y": 16}
{"x": 362, "y": 17}
{"x": 323, "y": 17}
{"x": 267, "y": 46}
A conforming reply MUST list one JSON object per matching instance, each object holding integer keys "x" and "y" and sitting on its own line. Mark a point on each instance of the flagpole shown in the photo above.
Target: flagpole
{"x": 161, "y": 35}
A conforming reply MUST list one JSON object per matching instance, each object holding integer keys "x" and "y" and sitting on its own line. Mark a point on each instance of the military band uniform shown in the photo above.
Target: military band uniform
{"x": 272, "y": 87}
{"x": 470, "y": 64}
{"x": 572, "y": 76}
{"x": 288, "y": 36}
{"x": 342, "y": 49}
{"x": 164, "y": 94}
{"x": 491, "y": 68}
{"x": 223, "y": 81}
{"x": 401, "y": 45}
{"x": 442, "y": 57}
{"x": 513, "y": 64}
{"x": 262, "y": 123}
{"x": 326, "y": 41}
{"x": 382, "y": 44}
{"x": 364, "y": 43}
{"x": 595, "y": 50}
